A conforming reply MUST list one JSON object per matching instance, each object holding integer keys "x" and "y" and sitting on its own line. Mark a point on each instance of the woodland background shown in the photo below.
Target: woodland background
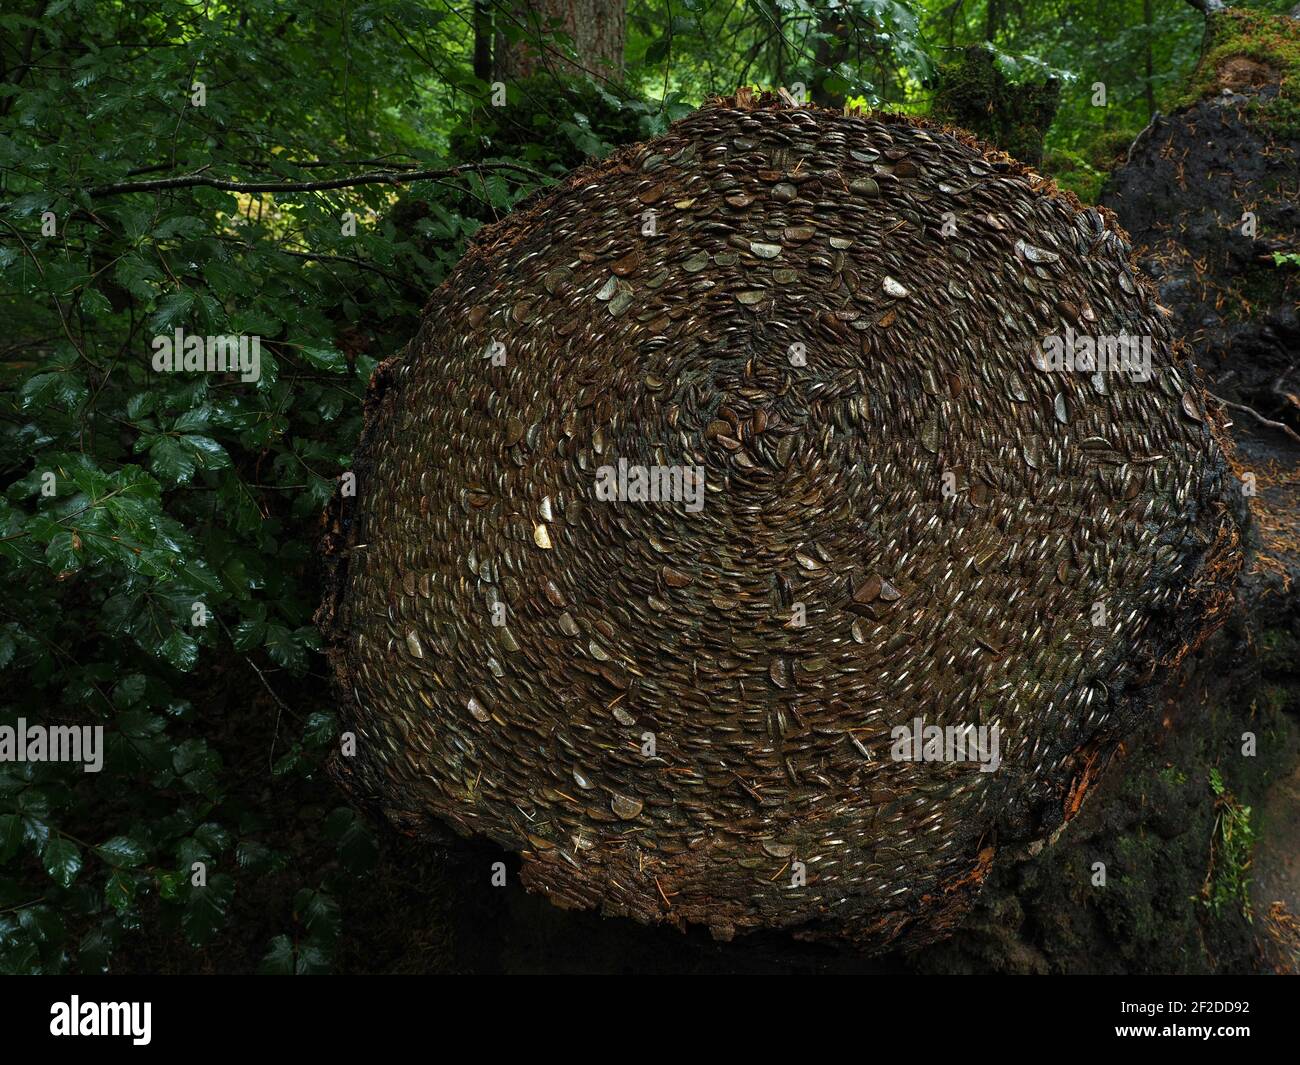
{"x": 221, "y": 209}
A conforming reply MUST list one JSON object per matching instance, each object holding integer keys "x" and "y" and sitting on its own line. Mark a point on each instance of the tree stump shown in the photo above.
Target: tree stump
{"x": 884, "y": 494}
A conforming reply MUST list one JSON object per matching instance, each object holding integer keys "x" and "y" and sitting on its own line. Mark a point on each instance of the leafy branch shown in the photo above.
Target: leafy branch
{"x": 375, "y": 177}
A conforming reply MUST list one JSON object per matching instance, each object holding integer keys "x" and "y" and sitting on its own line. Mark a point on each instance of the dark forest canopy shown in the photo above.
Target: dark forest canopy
{"x": 306, "y": 173}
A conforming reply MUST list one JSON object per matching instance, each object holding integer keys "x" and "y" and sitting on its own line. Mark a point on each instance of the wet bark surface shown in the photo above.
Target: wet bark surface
{"x": 597, "y": 28}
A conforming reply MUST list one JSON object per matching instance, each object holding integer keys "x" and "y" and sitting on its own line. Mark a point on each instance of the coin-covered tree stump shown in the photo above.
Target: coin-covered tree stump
{"x": 901, "y": 571}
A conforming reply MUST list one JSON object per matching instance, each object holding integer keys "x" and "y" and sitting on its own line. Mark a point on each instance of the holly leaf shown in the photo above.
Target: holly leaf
{"x": 206, "y": 910}
{"x": 325, "y": 358}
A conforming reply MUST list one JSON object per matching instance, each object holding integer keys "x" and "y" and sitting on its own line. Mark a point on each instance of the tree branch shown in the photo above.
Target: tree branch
{"x": 1279, "y": 426}
{"x": 1128, "y": 159}
{"x": 378, "y": 177}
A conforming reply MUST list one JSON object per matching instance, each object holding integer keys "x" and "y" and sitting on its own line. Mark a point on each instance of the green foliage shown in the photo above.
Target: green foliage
{"x": 865, "y": 50}
{"x": 977, "y": 94}
{"x": 1142, "y": 64}
{"x": 1109, "y": 148}
{"x": 1084, "y": 171}
{"x": 161, "y": 526}
{"x": 1227, "y": 884}
{"x": 308, "y": 952}
{"x": 1071, "y": 171}
{"x": 555, "y": 123}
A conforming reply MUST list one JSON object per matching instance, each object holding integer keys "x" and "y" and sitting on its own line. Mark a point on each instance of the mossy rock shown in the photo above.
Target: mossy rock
{"x": 975, "y": 95}
{"x": 1109, "y": 148}
{"x": 1255, "y": 53}
{"x": 1207, "y": 193}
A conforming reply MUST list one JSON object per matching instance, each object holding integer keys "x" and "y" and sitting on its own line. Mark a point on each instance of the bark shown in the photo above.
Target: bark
{"x": 831, "y": 51}
{"x": 598, "y": 29}
{"x": 482, "y": 40}
{"x": 1150, "y": 65}
{"x": 992, "y": 19}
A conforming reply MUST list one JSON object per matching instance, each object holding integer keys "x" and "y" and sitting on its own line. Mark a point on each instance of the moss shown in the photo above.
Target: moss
{"x": 1227, "y": 884}
{"x": 976, "y": 95}
{"x": 1071, "y": 171}
{"x": 1084, "y": 171}
{"x": 1270, "y": 40}
{"x": 1108, "y": 148}
{"x": 1261, "y": 286}
{"x": 1276, "y": 698}
{"x": 1279, "y": 651}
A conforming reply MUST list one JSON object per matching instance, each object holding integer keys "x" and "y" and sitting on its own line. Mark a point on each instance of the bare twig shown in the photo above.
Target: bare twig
{"x": 281, "y": 706}
{"x": 1280, "y": 426}
{"x": 1145, "y": 130}
{"x": 377, "y": 177}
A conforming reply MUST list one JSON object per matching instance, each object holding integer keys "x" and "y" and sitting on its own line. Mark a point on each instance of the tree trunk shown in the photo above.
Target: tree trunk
{"x": 992, "y": 19}
{"x": 598, "y": 29}
{"x": 482, "y": 40}
{"x": 831, "y": 52}
{"x": 520, "y": 753}
{"x": 1150, "y": 83}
